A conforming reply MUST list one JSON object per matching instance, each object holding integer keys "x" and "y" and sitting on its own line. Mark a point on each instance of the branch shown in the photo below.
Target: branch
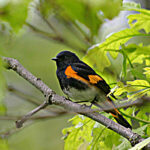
{"x": 45, "y": 34}
{"x": 19, "y": 123}
{"x": 52, "y": 98}
{"x": 42, "y": 117}
{"x": 9, "y": 132}
{"x": 33, "y": 100}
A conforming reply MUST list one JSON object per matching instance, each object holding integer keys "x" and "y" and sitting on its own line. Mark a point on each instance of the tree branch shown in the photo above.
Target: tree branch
{"x": 52, "y": 98}
{"x": 40, "y": 117}
{"x": 20, "y": 122}
{"x": 33, "y": 100}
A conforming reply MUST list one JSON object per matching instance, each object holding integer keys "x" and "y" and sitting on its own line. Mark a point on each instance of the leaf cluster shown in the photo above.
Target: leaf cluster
{"x": 87, "y": 134}
{"x": 134, "y": 78}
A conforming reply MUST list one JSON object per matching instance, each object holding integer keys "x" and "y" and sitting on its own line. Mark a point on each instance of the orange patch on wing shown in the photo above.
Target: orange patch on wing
{"x": 70, "y": 73}
{"x": 94, "y": 78}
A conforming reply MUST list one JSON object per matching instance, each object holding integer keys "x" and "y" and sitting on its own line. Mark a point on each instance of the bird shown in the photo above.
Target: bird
{"x": 82, "y": 84}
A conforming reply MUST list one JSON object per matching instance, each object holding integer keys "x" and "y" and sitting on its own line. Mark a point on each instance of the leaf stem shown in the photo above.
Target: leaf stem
{"x": 135, "y": 118}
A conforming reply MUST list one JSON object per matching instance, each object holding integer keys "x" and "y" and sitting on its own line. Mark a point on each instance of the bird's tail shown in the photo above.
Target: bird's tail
{"x": 120, "y": 119}
{"x": 115, "y": 113}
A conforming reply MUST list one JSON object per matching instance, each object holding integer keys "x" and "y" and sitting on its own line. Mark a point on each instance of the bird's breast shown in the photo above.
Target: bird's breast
{"x": 87, "y": 94}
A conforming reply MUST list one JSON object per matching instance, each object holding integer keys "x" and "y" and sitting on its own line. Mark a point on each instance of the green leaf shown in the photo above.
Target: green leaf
{"x": 79, "y": 135}
{"x": 147, "y": 72}
{"x": 141, "y": 20}
{"x": 137, "y": 72}
{"x": 138, "y": 53}
{"x": 3, "y": 144}
{"x": 97, "y": 134}
{"x": 131, "y": 5}
{"x": 117, "y": 39}
{"x": 140, "y": 130}
{"x": 96, "y": 55}
{"x": 140, "y": 145}
{"x": 87, "y": 12}
{"x": 124, "y": 65}
{"x": 2, "y": 89}
{"x": 83, "y": 11}
{"x": 138, "y": 58}
{"x": 125, "y": 144}
{"x": 139, "y": 84}
{"x": 134, "y": 89}
{"x": 15, "y": 13}
{"x": 44, "y": 7}
{"x": 143, "y": 112}
{"x": 115, "y": 139}
{"x": 90, "y": 135}
{"x": 114, "y": 7}
{"x": 101, "y": 138}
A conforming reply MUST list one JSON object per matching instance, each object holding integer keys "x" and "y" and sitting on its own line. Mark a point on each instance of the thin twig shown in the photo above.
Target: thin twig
{"x": 10, "y": 117}
{"x": 135, "y": 118}
{"x": 9, "y": 132}
{"x": 33, "y": 100}
{"x": 23, "y": 96}
{"x": 20, "y": 122}
{"x": 45, "y": 34}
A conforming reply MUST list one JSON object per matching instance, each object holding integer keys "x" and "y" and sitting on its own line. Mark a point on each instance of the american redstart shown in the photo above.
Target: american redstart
{"x": 81, "y": 83}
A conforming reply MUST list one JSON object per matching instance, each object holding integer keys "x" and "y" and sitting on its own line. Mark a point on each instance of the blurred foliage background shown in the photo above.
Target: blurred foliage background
{"x": 34, "y": 31}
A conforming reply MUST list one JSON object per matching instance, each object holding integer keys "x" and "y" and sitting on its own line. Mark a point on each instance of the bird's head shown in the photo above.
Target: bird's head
{"x": 65, "y": 58}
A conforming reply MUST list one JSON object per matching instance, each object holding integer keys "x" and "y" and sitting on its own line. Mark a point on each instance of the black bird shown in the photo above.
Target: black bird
{"x": 81, "y": 83}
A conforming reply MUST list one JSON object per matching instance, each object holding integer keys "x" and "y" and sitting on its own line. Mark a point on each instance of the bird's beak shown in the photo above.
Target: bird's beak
{"x": 54, "y": 59}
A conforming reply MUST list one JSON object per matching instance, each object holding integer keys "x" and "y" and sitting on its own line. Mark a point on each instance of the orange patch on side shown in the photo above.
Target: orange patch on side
{"x": 116, "y": 110}
{"x": 115, "y": 116}
{"x": 70, "y": 73}
{"x": 94, "y": 78}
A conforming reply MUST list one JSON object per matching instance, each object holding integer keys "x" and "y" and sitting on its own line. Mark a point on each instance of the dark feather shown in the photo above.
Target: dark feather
{"x": 84, "y": 70}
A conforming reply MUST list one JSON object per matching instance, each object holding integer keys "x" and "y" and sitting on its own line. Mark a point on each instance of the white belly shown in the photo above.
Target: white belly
{"x": 82, "y": 95}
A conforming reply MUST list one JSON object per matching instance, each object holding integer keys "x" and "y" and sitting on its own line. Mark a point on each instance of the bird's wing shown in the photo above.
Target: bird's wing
{"x": 85, "y": 73}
